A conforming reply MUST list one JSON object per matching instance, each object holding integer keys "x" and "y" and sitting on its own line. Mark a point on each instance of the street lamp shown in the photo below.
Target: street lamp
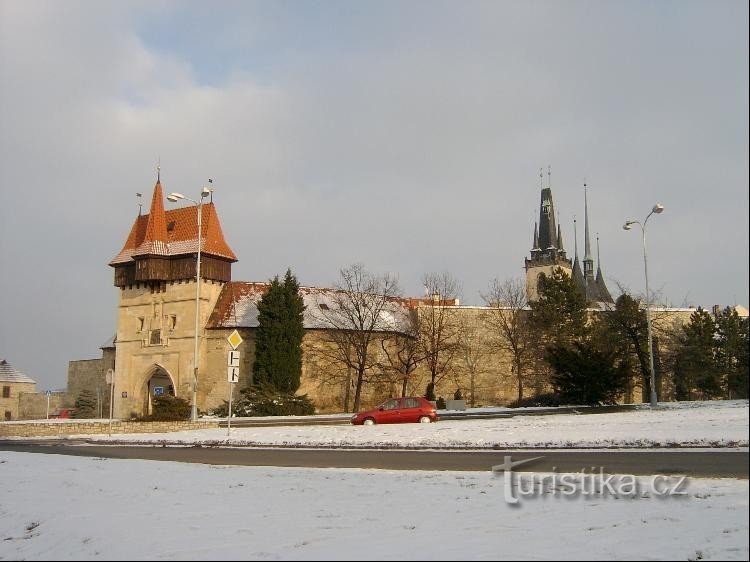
{"x": 658, "y": 208}
{"x": 199, "y": 206}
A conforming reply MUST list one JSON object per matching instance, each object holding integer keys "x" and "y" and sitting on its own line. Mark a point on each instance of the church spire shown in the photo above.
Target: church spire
{"x": 588, "y": 261}
{"x": 536, "y": 237}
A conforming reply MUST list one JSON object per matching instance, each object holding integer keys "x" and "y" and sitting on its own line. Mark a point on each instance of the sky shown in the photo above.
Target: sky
{"x": 220, "y": 512}
{"x": 407, "y": 136}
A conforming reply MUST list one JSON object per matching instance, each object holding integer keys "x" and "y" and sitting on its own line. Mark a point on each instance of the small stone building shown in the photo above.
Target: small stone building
{"x": 13, "y": 384}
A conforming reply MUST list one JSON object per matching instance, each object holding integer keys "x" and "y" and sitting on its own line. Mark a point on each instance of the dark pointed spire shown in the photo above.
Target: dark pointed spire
{"x": 603, "y": 294}
{"x": 588, "y": 261}
{"x": 559, "y": 235}
{"x": 536, "y": 237}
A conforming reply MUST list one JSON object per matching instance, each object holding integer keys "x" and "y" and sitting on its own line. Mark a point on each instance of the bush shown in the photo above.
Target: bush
{"x": 170, "y": 408}
{"x": 549, "y": 400}
{"x": 267, "y": 401}
{"x": 440, "y": 404}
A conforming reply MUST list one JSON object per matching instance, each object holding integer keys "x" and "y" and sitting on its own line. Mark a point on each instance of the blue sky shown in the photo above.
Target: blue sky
{"x": 403, "y": 135}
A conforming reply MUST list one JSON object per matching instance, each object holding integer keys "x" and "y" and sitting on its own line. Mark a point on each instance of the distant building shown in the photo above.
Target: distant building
{"x": 13, "y": 384}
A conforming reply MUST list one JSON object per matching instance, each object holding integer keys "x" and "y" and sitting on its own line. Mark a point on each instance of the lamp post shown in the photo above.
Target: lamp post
{"x": 199, "y": 206}
{"x": 658, "y": 208}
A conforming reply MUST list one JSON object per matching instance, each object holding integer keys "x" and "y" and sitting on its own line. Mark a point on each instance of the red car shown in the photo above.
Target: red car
{"x": 399, "y": 410}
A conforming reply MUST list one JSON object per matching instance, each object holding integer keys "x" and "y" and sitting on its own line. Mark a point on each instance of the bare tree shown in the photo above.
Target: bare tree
{"x": 508, "y": 320}
{"x": 361, "y": 306}
{"x": 438, "y": 324}
{"x": 402, "y": 354}
{"x": 472, "y": 352}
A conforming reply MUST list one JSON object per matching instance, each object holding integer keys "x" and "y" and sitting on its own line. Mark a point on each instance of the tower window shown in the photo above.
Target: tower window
{"x": 155, "y": 338}
{"x": 6, "y": 392}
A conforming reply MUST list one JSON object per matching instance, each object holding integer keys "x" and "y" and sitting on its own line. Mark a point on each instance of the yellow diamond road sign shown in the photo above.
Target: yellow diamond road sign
{"x": 234, "y": 339}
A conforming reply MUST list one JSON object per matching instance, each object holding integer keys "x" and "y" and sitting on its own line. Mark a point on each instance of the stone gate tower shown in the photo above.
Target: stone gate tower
{"x": 156, "y": 274}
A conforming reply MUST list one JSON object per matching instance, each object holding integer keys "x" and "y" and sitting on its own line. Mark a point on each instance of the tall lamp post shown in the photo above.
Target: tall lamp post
{"x": 658, "y": 208}
{"x": 199, "y": 206}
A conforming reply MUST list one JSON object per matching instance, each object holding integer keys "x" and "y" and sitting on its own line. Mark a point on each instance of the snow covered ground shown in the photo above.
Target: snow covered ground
{"x": 76, "y": 508}
{"x": 697, "y": 424}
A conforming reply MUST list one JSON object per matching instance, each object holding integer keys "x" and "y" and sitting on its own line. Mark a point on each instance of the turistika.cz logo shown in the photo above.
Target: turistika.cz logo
{"x": 586, "y": 483}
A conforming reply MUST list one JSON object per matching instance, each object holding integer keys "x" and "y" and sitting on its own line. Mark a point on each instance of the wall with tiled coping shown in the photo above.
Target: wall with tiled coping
{"x": 83, "y": 427}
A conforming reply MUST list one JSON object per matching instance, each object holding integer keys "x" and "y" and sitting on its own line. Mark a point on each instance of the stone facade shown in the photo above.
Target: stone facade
{"x": 83, "y": 427}
{"x": 10, "y": 398}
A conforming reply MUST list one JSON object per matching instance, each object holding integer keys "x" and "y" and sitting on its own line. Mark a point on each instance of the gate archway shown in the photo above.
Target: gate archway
{"x": 160, "y": 383}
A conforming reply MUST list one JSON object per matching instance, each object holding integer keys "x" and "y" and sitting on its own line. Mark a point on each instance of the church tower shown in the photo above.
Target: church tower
{"x": 548, "y": 252}
{"x": 160, "y": 301}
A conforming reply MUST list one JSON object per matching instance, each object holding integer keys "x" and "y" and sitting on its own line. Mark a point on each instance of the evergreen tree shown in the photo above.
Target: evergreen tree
{"x": 696, "y": 373}
{"x": 624, "y": 329}
{"x": 85, "y": 405}
{"x": 732, "y": 352}
{"x": 278, "y": 344}
{"x": 560, "y": 310}
{"x": 585, "y": 375}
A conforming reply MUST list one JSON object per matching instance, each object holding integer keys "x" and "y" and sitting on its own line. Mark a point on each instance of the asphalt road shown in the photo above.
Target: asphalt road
{"x": 720, "y": 463}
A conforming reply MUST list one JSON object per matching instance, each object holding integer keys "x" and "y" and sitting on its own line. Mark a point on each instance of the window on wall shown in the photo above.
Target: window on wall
{"x": 172, "y": 322}
{"x": 139, "y": 324}
{"x": 155, "y": 338}
{"x": 6, "y": 392}
{"x": 8, "y": 415}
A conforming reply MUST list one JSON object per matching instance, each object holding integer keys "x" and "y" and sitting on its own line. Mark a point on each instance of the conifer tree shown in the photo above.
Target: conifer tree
{"x": 278, "y": 344}
{"x": 85, "y": 405}
{"x": 732, "y": 352}
{"x": 560, "y": 310}
{"x": 696, "y": 373}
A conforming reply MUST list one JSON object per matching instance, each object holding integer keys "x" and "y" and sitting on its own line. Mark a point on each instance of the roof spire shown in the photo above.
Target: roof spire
{"x": 158, "y": 170}
{"x": 587, "y": 243}
{"x": 541, "y": 179}
{"x": 549, "y": 175}
{"x": 536, "y": 237}
{"x": 575, "y": 236}
{"x": 140, "y": 203}
{"x": 598, "y": 258}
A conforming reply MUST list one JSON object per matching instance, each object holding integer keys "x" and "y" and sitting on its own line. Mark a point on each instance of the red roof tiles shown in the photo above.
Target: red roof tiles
{"x": 174, "y": 232}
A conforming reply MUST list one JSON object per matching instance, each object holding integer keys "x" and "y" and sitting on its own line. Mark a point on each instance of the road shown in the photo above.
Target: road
{"x": 702, "y": 463}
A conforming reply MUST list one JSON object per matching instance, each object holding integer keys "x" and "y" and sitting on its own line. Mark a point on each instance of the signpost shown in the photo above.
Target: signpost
{"x": 49, "y": 392}
{"x": 233, "y": 370}
{"x": 111, "y": 382}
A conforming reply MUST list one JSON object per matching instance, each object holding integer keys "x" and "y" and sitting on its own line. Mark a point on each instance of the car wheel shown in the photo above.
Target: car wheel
{"x": 425, "y": 419}
{"x": 369, "y": 421}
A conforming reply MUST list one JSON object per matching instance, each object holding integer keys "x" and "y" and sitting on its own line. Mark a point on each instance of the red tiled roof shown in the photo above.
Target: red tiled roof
{"x": 174, "y": 232}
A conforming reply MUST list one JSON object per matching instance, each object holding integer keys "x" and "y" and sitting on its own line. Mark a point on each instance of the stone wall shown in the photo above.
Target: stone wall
{"x": 33, "y": 405}
{"x": 83, "y": 427}
{"x": 91, "y": 374}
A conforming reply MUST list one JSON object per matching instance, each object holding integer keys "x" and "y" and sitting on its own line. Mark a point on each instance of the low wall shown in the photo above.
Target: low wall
{"x": 55, "y": 428}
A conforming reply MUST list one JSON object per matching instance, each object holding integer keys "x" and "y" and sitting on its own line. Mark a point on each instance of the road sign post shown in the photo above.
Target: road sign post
{"x": 233, "y": 375}
{"x": 111, "y": 381}
{"x": 233, "y": 371}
